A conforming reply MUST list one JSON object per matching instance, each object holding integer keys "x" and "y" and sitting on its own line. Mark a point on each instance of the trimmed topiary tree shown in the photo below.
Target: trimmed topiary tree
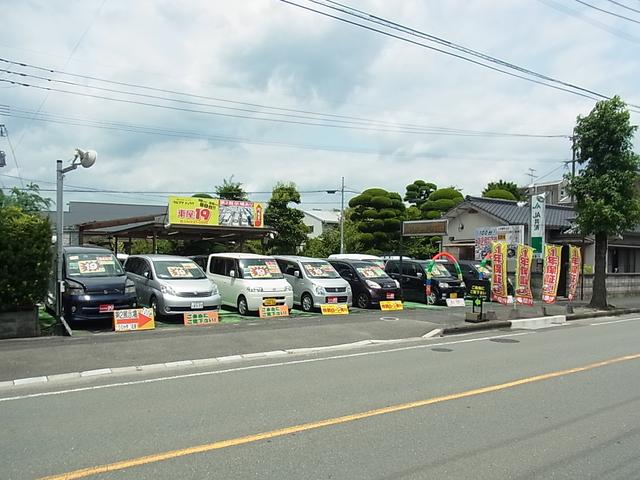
{"x": 440, "y": 201}
{"x": 498, "y": 193}
{"x": 378, "y": 215}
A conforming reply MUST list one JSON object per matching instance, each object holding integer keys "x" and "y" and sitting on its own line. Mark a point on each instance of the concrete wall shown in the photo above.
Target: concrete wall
{"x": 463, "y": 227}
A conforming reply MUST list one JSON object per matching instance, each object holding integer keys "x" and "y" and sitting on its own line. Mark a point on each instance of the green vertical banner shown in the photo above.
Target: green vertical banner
{"x": 537, "y": 224}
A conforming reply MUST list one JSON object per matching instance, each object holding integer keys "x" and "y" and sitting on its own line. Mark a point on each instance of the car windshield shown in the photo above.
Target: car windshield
{"x": 260, "y": 268}
{"x": 93, "y": 265}
{"x": 438, "y": 270}
{"x": 370, "y": 270}
{"x": 178, "y": 270}
{"x": 320, "y": 270}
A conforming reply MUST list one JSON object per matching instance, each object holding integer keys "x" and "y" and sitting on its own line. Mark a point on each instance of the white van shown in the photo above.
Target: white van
{"x": 358, "y": 257}
{"x": 247, "y": 281}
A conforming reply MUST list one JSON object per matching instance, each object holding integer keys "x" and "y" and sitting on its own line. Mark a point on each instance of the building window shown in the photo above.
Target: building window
{"x": 310, "y": 228}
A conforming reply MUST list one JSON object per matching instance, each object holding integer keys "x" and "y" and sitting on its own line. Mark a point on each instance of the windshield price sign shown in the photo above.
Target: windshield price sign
{"x": 274, "y": 311}
{"x": 201, "y": 318}
{"x": 133, "y": 319}
{"x": 334, "y": 309}
{"x": 391, "y": 305}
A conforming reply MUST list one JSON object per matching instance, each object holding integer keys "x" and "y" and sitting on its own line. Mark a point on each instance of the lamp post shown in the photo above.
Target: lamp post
{"x": 341, "y": 214}
{"x": 86, "y": 158}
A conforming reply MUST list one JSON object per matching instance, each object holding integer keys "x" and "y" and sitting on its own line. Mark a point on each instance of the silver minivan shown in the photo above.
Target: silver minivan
{"x": 171, "y": 285}
{"x": 314, "y": 282}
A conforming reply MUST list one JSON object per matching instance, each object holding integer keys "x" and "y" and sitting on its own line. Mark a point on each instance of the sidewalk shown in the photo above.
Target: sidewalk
{"x": 23, "y": 358}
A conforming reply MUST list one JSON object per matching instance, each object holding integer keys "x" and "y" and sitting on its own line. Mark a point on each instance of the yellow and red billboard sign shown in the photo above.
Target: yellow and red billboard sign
{"x": 575, "y": 259}
{"x": 334, "y": 309}
{"x": 201, "y": 318}
{"x": 551, "y": 272}
{"x": 215, "y": 212}
{"x": 499, "y": 273}
{"x": 133, "y": 319}
{"x": 523, "y": 293}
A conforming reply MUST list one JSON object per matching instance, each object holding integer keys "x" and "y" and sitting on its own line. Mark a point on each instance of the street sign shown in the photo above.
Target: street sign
{"x": 133, "y": 319}
{"x": 334, "y": 309}
{"x": 274, "y": 311}
{"x": 391, "y": 305}
{"x": 537, "y": 224}
{"x": 201, "y": 318}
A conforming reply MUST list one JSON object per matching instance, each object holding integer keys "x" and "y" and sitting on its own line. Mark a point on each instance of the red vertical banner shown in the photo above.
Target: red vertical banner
{"x": 499, "y": 273}
{"x": 575, "y": 260}
{"x": 551, "y": 272}
{"x": 524, "y": 296}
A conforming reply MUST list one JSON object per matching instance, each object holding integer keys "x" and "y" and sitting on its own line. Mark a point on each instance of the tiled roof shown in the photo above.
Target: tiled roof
{"x": 508, "y": 211}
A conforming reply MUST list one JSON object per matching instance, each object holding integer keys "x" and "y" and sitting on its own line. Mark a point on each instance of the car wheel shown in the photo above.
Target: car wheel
{"x": 243, "y": 308}
{"x": 306, "y": 302}
{"x": 363, "y": 300}
{"x": 153, "y": 303}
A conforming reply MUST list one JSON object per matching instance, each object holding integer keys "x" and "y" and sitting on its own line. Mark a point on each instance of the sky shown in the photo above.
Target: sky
{"x": 177, "y": 96}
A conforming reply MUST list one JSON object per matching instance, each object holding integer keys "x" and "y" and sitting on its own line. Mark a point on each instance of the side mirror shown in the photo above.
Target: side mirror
{"x": 146, "y": 275}
{"x": 296, "y": 273}
{"x": 420, "y": 275}
{"x": 232, "y": 273}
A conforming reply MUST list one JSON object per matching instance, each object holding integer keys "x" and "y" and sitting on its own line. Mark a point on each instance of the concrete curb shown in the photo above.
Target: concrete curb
{"x": 476, "y": 327}
{"x": 603, "y": 313}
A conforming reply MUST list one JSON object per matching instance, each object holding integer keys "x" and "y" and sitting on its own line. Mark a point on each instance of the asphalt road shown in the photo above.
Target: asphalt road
{"x": 411, "y": 411}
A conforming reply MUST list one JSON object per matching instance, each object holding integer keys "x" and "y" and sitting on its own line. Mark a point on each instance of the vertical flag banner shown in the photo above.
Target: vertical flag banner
{"x": 551, "y": 272}
{"x": 524, "y": 296}
{"x": 575, "y": 259}
{"x": 537, "y": 224}
{"x": 499, "y": 274}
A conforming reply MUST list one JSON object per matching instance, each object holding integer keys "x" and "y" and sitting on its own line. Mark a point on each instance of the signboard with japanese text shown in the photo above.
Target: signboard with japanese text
{"x": 524, "y": 296}
{"x": 201, "y": 318}
{"x": 133, "y": 319}
{"x": 334, "y": 309}
{"x": 537, "y": 223}
{"x": 391, "y": 305}
{"x": 551, "y": 272}
{"x": 512, "y": 234}
{"x": 575, "y": 259}
{"x": 215, "y": 212}
{"x": 193, "y": 211}
{"x": 455, "y": 302}
{"x": 478, "y": 288}
{"x": 274, "y": 311}
{"x": 499, "y": 273}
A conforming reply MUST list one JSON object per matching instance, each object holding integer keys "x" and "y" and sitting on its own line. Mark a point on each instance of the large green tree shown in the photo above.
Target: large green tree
{"x": 291, "y": 232}
{"x": 511, "y": 187}
{"x": 230, "y": 190}
{"x": 378, "y": 215}
{"x": 418, "y": 192}
{"x": 29, "y": 199}
{"x": 607, "y": 200}
{"x": 440, "y": 201}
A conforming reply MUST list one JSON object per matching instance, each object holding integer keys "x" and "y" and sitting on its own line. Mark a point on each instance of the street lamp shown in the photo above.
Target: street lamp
{"x": 341, "y": 214}
{"x": 86, "y": 158}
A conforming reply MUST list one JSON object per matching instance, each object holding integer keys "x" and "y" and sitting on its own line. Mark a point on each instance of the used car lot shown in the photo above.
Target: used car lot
{"x": 369, "y": 282}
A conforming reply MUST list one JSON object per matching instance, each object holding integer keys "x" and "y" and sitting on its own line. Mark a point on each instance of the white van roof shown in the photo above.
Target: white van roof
{"x": 353, "y": 256}
{"x": 239, "y": 255}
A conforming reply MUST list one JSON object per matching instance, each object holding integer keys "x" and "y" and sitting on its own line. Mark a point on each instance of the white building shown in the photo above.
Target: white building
{"x": 318, "y": 221}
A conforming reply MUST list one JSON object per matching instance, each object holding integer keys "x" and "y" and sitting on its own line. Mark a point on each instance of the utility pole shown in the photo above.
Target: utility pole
{"x": 342, "y": 217}
{"x": 573, "y": 161}
{"x": 531, "y": 179}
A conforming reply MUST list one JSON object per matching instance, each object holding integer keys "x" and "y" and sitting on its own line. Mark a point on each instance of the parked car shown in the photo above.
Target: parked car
{"x": 171, "y": 285}
{"x": 369, "y": 282}
{"x": 358, "y": 256}
{"x": 314, "y": 282}
{"x": 247, "y": 281}
{"x": 94, "y": 285}
{"x": 414, "y": 281}
{"x": 471, "y": 271}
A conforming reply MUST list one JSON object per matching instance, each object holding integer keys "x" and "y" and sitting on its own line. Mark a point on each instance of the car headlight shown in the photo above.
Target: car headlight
{"x": 348, "y": 288}
{"x": 254, "y": 289}
{"x": 288, "y": 288}
{"x": 444, "y": 285}
{"x": 397, "y": 283}
{"x": 214, "y": 289}
{"x": 129, "y": 288}
{"x": 463, "y": 285}
{"x": 372, "y": 284}
{"x": 74, "y": 288}
{"x": 167, "y": 289}
{"x": 319, "y": 289}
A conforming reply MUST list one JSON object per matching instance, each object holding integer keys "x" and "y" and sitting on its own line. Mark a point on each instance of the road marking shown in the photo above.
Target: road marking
{"x": 253, "y": 367}
{"x": 208, "y": 447}
{"x": 615, "y": 321}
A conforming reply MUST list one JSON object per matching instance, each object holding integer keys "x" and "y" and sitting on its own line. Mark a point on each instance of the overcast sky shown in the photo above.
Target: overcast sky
{"x": 272, "y": 54}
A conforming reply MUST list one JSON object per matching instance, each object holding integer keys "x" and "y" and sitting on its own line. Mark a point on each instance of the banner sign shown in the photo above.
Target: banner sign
{"x": 455, "y": 302}
{"x": 334, "y": 309}
{"x": 201, "y": 318}
{"x": 133, "y": 319}
{"x": 537, "y": 224}
{"x": 391, "y": 305}
{"x": 499, "y": 274}
{"x": 274, "y": 311}
{"x": 215, "y": 212}
{"x": 575, "y": 259}
{"x": 551, "y": 272}
{"x": 524, "y": 296}
{"x": 512, "y": 234}
{"x": 478, "y": 288}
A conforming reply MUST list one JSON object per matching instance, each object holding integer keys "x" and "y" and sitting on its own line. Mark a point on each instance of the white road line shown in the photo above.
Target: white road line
{"x": 254, "y": 367}
{"x": 615, "y": 321}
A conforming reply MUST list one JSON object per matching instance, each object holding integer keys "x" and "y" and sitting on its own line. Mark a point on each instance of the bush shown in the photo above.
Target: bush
{"x": 498, "y": 193}
{"x": 25, "y": 249}
{"x": 381, "y": 202}
{"x": 445, "y": 193}
{"x": 433, "y": 214}
{"x": 362, "y": 199}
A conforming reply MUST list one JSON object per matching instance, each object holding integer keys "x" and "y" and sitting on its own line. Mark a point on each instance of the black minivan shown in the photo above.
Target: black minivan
{"x": 94, "y": 284}
{"x": 369, "y": 282}
{"x": 414, "y": 281}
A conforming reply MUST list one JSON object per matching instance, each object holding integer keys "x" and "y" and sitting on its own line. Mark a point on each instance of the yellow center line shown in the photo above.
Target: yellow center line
{"x": 208, "y": 447}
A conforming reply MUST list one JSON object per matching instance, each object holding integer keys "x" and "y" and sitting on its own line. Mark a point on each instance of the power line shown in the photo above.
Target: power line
{"x": 4, "y": 132}
{"x": 367, "y": 125}
{"x": 556, "y": 84}
{"x": 608, "y": 12}
{"x": 620, "y": 4}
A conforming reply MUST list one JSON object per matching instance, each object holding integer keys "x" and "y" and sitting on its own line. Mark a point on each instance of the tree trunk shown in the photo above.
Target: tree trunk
{"x": 599, "y": 296}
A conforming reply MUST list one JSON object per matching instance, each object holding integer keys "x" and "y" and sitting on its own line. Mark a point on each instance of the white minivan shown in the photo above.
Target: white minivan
{"x": 247, "y": 281}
